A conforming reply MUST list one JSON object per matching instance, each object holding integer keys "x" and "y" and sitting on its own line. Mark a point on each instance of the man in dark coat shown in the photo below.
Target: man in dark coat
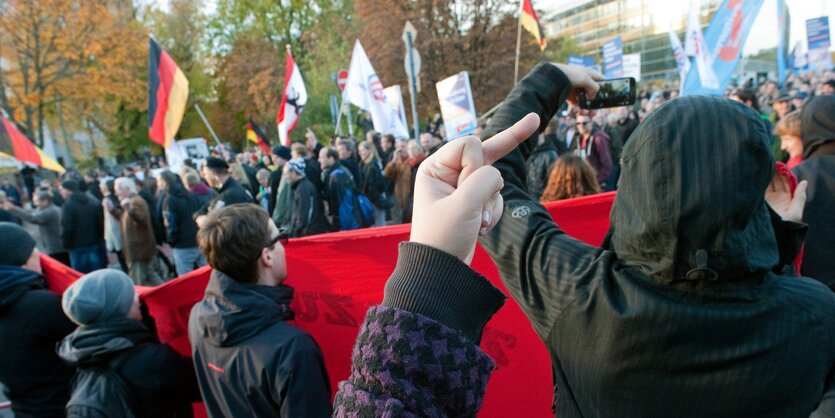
{"x": 31, "y": 323}
{"x": 592, "y": 145}
{"x": 539, "y": 166}
{"x": 337, "y": 181}
{"x": 107, "y": 311}
{"x": 679, "y": 314}
{"x": 229, "y": 191}
{"x": 308, "y": 210}
{"x": 249, "y": 360}
{"x": 82, "y": 229}
{"x": 817, "y": 127}
{"x": 280, "y": 155}
{"x": 180, "y": 229}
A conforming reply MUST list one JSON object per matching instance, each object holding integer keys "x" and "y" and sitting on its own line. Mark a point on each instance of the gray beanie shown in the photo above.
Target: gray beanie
{"x": 16, "y": 245}
{"x": 99, "y": 296}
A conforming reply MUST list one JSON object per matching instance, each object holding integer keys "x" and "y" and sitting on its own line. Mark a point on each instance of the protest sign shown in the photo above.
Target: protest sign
{"x": 457, "y": 107}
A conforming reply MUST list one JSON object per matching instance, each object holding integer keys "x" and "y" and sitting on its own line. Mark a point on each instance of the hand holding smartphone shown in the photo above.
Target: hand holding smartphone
{"x": 613, "y": 93}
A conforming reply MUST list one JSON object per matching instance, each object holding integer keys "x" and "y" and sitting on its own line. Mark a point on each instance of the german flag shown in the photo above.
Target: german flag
{"x": 531, "y": 24}
{"x": 256, "y": 135}
{"x": 167, "y": 96}
{"x": 14, "y": 144}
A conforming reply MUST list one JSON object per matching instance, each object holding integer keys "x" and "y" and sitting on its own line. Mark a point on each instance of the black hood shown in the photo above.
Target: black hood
{"x": 690, "y": 203}
{"x": 232, "y": 312}
{"x": 97, "y": 343}
{"x": 14, "y": 282}
{"x": 817, "y": 124}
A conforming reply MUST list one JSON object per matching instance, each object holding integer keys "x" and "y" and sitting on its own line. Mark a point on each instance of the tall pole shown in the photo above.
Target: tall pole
{"x": 518, "y": 41}
{"x": 202, "y": 116}
{"x": 413, "y": 87}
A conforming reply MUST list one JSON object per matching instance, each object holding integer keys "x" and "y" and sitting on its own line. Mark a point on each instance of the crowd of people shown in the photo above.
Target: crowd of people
{"x": 692, "y": 306}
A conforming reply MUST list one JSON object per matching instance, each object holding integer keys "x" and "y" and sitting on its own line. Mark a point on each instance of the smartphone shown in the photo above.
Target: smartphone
{"x": 613, "y": 93}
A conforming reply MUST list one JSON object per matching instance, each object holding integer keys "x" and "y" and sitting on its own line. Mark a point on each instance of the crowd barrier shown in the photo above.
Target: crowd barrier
{"x": 338, "y": 276}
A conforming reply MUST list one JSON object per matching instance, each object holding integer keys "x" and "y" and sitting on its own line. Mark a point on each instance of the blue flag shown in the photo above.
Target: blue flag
{"x": 724, "y": 38}
{"x": 613, "y": 58}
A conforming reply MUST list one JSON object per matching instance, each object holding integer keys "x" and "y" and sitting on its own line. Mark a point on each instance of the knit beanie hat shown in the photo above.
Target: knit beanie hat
{"x": 16, "y": 245}
{"x": 297, "y": 165}
{"x": 99, "y": 296}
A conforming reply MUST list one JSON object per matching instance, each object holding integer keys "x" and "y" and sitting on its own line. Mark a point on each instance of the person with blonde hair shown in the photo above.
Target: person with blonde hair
{"x": 571, "y": 176}
{"x": 373, "y": 184}
{"x": 788, "y": 129}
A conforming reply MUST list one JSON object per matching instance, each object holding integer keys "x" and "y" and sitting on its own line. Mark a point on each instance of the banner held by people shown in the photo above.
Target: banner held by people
{"x": 167, "y": 96}
{"x": 292, "y": 100}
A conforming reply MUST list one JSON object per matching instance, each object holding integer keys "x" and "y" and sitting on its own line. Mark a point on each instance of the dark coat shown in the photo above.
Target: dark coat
{"x": 337, "y": 181}
{"x": 374, "y": 184}
{"x": 82, "y": 221}
{"x": 596, "y": 152}
{"x": 178, "y": 209}
{"x": 353, "y": 166}
{"x": 273, "y": 182}
{"x": 818, "y": 168}
{"x": 308, "y": 210}
{"x": 681, "y": 316}
{"x": 31, "y": 324}
{"x": 539, "y": 168}
{"x": 203, "y": 193}
{"x": 161, "y": 381}
{"x": 249, "y": 360}
{"x": 230, "y": 193}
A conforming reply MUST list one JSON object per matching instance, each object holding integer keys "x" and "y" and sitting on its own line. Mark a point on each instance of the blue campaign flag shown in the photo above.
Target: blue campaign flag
{"x": 724, "y": 38}
{"x": 613, "y": 58}
{"x": 783, "y": 23}
{"x": 817, "y": 36}
{"x": 581, "y": 60}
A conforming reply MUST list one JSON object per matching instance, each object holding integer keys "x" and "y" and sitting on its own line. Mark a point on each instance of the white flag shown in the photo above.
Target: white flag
{"x": 292, "y": 102}
{"x": 704, "y": 60}
{"x": 693, "y": 28}
{"x": 682, "y": 62}
{"x": 365, "y": 91}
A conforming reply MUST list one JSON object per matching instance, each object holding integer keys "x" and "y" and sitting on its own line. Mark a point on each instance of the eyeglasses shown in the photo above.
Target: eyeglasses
{"x": 282, "y": 237}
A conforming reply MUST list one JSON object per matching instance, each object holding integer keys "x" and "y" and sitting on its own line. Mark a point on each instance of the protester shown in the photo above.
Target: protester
{"x": 338, "y": 183}
{"x": 788, "y": 129}
{"x": 82, "y": 229}
{"x": 5, "y": 215}
{"x": 263, "y": 195}
{"x": 781, "y": 107}
{"x": 374, "y": 183}
{"x": 539, "y": 165}
{"x": 47, "y": 217}
{"x": 180, "y": 229}
{"x": 416, "y": 156}
{"x": 11, "y": 192}
{"x": 283, "y": 214}
{"x": 399, "y": 172}
{"x": 237, "y": 171}
{"x": 229, "y": 191}
{"x": 312, "y": 171}
{"x": 138, "y": 234}
{"x": 687, "y": 267}
{"x": 615, "y": 133}
{"x": 347, "y": 151}
{"x": 570, "y": 177}
{"x": 154, "y": 380}
{"x": 203, "y": 193}
{"x": 592, "y": 145}
{"x": 112, "y": 210}
{"x": 249, "y": 360}
{"x": 817, "y": 126}
{"x": 308, "y": 210}
{"x": 36, "y": 381}
{"x": 280, "y": 156}
{"x": 430, "y": 142}
{"x": 387, "y": 146}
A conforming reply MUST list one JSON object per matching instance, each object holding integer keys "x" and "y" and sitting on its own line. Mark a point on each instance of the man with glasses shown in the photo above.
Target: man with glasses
{"x": 249, "y": 360}
{"x": 592, "y": 145}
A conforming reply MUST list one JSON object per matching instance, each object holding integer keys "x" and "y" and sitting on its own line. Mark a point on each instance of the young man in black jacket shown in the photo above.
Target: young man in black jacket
{"x": 31, "y": 324}
{"x": 308, "y": 210}
{"x": 249, "y": 360}
{"x": 180, "y": 229}
{"x": 82, "y": 229}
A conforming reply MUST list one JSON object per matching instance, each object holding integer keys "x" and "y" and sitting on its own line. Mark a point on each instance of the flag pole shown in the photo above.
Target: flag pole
{"x": 518, "y": 40}
{"x": 205, "y": 121}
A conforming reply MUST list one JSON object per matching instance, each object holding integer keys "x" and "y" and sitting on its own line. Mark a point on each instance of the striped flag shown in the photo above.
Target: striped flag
{"x": 167, "y": 96}
{"x": 531, "y": 24}
{"x": 14, "y": 144}
{"x": 256, "y": 135}
{"x": 292, "y": 101}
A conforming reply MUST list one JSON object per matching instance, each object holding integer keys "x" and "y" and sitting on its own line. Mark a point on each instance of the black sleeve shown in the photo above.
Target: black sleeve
{"x": 303, "y": 389}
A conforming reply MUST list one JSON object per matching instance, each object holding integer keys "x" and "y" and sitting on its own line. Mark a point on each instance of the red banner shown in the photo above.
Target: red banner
{"x": 338, "y": 276}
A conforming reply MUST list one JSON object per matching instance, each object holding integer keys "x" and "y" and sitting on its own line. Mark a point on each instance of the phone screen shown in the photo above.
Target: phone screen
{"x": 614, "y": 92}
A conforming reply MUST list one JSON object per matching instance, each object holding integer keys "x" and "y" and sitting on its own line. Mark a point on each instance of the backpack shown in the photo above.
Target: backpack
{"x": 355, "y": 211}
{"x": 99, "y": 391}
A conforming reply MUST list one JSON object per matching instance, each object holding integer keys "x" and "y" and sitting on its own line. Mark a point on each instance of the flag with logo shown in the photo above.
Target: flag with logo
{"x": 529, "y": 21}
{"x": 255, "y": 134}
{"x": 292, "y": 101}
{"x": 696, "y": 43}
{"x": 682, "y": 62}
{"x": 364, "y": 90}
{"x": 167, "y": 96}
{"x": 723, "y": 41}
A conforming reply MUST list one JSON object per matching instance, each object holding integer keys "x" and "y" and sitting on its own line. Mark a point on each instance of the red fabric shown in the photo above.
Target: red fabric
{"x": 338, "y": 276}
{"x": 785, "y": 171}
{"x": 22, "y": 148}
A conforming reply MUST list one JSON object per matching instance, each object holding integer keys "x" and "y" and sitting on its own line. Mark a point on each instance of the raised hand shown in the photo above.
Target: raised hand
{"x": 457, "y": 191}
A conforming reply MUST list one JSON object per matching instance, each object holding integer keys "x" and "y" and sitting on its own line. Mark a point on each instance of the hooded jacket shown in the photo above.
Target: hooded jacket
{"x": 682, "y": 316}
{"x": 817, "y": 129}
{"x": 31, "y": 323}
{"x": 178, "y": 208}
{"x": 160, "y": 380}
{"x": 249, "y": 360}
{"x": 539, "y": 167}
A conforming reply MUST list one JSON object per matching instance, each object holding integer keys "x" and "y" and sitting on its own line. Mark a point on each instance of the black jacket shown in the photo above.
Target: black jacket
{"x": 82, "y": 221}
{"x": 31, "y": 324}
{"x": 250, "y": 361}
{"x": 539, "y": 168}
{"x": 353, "y": 166}
{"x": 681, "y": 316}
{"x": 161, "y": 380}
{"x": 230, "y": 193}
{"x": 374, "y": 183}
{"x": 818, "y": 168}
{"x": 274, "y": 182}
{"x": 178, "y": 209}
{"x": 308, "y": 210}
{"x": 337, "y": 180}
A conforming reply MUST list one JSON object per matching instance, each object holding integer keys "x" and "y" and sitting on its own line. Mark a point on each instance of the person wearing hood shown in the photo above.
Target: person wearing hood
{"x": 539, "y": 165}
{"x": 250, "y": 361}
{"x": 180, "y": 228}
{"x": 107, "y": 311}
{"x": 36, "y": 381}
{"x": 308, "y": 211}
{"x": 817, "y": 131}
{"x": 679, "y": 313}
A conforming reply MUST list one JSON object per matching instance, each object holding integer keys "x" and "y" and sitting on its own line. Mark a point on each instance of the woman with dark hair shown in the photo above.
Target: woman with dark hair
{"x": 570, "y": 177}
